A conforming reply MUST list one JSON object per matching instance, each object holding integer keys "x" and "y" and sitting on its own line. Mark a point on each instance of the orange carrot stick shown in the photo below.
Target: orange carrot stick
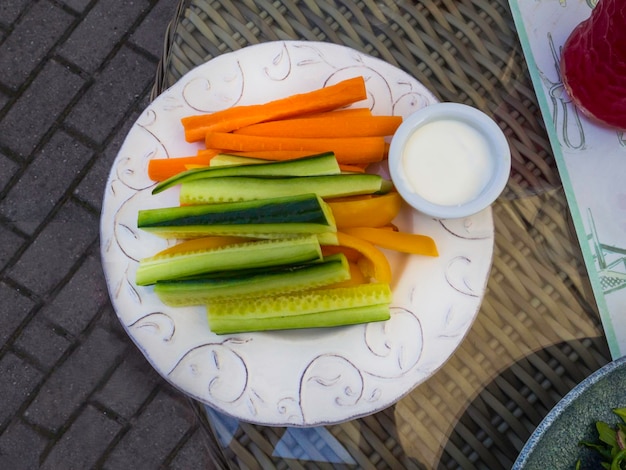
{"x": 273, "y": 154}
{"x": 328, "y": 126}
{"x": 324, "y": 99}
{"x": 344, "y": 112}
{"x": 159, "y": 169}
{"x": 347, "y": 150}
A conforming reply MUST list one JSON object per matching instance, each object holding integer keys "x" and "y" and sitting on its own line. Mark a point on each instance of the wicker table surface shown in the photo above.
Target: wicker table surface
{"x": 538, "y": 332}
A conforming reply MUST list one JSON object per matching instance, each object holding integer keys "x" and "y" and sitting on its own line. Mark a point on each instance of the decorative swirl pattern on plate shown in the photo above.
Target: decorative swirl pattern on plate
{"x": 127, "y": 290}
{"x": 134, "y": 243}
{"x": 399, "y": 342}
{"x": 455, "y": 323}
{"x": 171, "y": 103}
{"x": 470, "y": 228}
{"x": 128, "y": 174}
{"x": 289, "y": 408}
{"x": 216, "y": 89}
{"x": 280, "y": 67}
{"x": 147, "y": 119}
{"x": 142, "y": 145}
{"x": 215, "y": 370}
{"x": 308, "y": 377}
{"x": 312, "y": 56}
{"x": 459, "y": 276}
{"x": 156, "y": 324}
{"x": 410, "y": 102}
{"x": 330, "y": 381}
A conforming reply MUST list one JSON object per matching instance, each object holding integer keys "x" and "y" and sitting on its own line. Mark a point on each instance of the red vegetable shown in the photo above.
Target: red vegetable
{"x": 593, "y": 64}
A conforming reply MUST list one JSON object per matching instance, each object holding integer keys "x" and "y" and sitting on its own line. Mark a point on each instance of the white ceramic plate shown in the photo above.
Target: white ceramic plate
{"x": 303, "y": 377}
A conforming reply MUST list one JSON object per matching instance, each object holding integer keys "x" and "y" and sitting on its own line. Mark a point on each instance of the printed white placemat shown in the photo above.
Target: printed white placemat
{"x": 591, "y": 159}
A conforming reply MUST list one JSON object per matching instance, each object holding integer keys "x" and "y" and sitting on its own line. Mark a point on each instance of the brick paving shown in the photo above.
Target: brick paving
{"x": 76, "y": 393}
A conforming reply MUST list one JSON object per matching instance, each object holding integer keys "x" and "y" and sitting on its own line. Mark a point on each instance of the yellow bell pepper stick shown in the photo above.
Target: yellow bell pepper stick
{"x": 356, "y": 278}
{"x": 356, "y": 274}
{"x": 203, "y": 244}
{"x": 366, "y": 211}
{"x": 398, "y": 241}
{"x": 373, "y": 262}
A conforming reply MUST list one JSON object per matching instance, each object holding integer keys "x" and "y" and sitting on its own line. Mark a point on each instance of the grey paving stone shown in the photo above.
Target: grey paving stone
{"x": 20, "y": 447}
{"x": 41, "y": 342}
{"x": 80, "y": 299}
{"x": 11, "y": 242}
{"x": 7, "y": 169}
{"x": 10, "y": 10}
{"x": 55, "y": 250}
{"x": 13, "y": 310}
{"x": 34, "y": 35}
{"x": 195, "y": 453}
{"x": 17, "y": 381}
{"x": 3, "y": 98}
{"x": 45, "y": 181}
{"x": 101, "y": 30}
{"x": 38, "y": 108}
{"x": 91, "y": 188}
{"x": 83, "y": 443}
{"x": 148, "y": 442}
{"x": 157, "y": 20}
{"x": 74, "y": 380}
{"x": 106, "y": 102}
{"x": 130, "y": 385}
{"x": 76, "y": 5}
{"x": 87, "y": 367}
{"x": 109, "y": 321}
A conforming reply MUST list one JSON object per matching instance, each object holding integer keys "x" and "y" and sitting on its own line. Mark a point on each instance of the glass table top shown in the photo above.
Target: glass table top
{"x": 537, "y": 333}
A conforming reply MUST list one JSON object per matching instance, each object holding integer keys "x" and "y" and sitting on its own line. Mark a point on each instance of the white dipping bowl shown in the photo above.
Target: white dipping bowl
{"x": 496, "y": 164}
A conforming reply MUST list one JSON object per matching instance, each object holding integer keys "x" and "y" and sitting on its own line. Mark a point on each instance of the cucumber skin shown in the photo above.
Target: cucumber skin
{"x": 310, "y": 309}
{"x": 298, "y": 208}
{"x": 306, "y": 213}
{"x": 325, "y": 319}
{"x": 263, "y": 282}
{"x": 252, "y": 232}
{"x": 257, "y": 254}
{"x": 233, "y": 189}
{"x": 261, "y": 231}
{"x": 320, "y": 164}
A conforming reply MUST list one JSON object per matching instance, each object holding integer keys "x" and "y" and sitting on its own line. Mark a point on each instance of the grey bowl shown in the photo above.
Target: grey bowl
{"x": 554, "y": 444}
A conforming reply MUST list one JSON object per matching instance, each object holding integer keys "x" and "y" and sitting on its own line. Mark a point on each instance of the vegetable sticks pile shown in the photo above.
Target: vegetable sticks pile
{"x": 303, "y": 148}
{"x": 288, "y": 128}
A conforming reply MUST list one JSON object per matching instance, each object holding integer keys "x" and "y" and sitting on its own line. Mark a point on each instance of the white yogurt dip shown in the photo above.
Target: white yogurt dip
{"x": 446, "y": 162}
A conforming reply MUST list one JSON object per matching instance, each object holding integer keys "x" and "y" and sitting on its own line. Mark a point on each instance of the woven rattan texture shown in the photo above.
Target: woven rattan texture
{"x": 536, "y": 335}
